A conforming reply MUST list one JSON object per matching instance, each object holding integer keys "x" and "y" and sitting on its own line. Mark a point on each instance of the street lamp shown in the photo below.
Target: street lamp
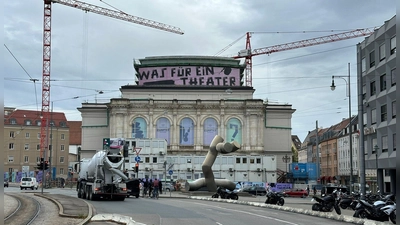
{"x": 350, "y": 128}
{"x": 286, "y": 159}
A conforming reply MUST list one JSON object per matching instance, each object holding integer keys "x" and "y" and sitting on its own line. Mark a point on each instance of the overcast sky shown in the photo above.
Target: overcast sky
{"x": 92, "y": 53}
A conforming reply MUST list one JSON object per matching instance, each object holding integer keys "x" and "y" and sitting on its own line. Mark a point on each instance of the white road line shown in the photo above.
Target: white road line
{"x": 249, "y": 213}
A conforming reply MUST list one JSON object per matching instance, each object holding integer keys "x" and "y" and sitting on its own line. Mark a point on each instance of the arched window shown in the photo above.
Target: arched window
{"x": 186, "y": 132}
{"x": 234, "y": 131}
{"x": 163, "y": 127}
{"x": 210, "y": 130}
{"x": 139, "y": 128}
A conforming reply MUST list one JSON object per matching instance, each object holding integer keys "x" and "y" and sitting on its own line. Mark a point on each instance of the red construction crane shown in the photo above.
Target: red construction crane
{"x": 47, "y": 50}
{"x": 248, "y": 53}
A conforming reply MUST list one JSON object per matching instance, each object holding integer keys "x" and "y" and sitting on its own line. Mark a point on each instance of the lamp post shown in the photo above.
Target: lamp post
{"x": 350, "y": 127}
{"x": 376, "y": 165}
{"x": 286, "y": 159}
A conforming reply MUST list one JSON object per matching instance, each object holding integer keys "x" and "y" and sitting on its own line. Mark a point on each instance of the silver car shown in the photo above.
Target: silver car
{"x": 168, "y": 186}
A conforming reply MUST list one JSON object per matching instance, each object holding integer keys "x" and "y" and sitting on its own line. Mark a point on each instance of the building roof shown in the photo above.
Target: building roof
{"x": 75, "y": 132}
{"x": 32, "y": 118}
{"x": 296, "y": 142}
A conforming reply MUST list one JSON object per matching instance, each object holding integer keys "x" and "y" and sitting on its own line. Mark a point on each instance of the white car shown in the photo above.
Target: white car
{"x": 28, "y": 182}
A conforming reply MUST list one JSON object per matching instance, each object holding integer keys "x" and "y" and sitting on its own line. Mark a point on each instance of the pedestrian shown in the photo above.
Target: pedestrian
{"x": 150, "y": 187}
{"x": 156, "y": 186}
{"x": 160, "y": 187}
{"x": 308, "y": 190}
{"x": 315, "y": 190}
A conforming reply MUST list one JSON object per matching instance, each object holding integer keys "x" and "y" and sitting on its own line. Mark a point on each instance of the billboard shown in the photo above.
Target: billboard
{"x": 189, "y": 76}
{"x": 304, "y": 170}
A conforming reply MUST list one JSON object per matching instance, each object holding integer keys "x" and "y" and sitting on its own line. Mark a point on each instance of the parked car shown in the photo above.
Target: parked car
{"x": 295, "y": 192}
{"x": 168, "y": 186}
{"x": 28, "y": 182}
{"x": 5, "y": 183}
{"x": 254, "y": 190}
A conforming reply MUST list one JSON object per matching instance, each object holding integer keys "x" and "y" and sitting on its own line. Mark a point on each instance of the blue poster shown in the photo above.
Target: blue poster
{"x": 210, "y": 130}
{"x": 163, "y": 127}
{"x": 186, "y": 132}
{"x": 234, "y": 131}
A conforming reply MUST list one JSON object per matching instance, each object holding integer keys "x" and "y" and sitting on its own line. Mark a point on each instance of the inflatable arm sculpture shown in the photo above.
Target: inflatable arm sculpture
{"x": 217, "y": 146}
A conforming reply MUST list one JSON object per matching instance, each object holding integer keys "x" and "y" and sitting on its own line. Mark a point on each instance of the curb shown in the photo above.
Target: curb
{"x": 115, "y": 218}
{"x": 342, "y": 218}
{"x": 61, "y": 209}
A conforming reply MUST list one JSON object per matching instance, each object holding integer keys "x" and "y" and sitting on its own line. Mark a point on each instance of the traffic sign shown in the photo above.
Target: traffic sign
{"x": 170, "y": 172}
{"x": 137, "y": 158}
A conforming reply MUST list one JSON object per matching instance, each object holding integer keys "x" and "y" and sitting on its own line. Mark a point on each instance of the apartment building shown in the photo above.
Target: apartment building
{"x": 21, "y": 151}
{"x": 376, "y": 72}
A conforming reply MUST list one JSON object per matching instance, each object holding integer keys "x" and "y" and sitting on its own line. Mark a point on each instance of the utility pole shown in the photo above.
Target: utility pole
{"x": 316, "y": 143}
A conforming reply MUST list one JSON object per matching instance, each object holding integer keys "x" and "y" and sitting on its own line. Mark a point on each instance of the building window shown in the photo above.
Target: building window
{"x": 38, "y": 147}
{"x": 13, "y": 121}
{"x": 244, "y": 160}
{"x": 62, "y": 147}
{"x": 154, "y": 159}
{"x": 384, "y": 143}
{"x": 28, "y": 122}
{"x": 61, "y": 171}
{"x": 63, "y": 124}
{"x": 10, "y": 158}
{"x": 209, "y": 131}
{"x": 38, "y": 135}
{"x": 382, "y": 54}
{"x": 364, "y": 91}
{"x": 251, "y": 161}
{"x": 383, "y": 113}
{"x": 371, "y": 59}
{"x": 147, "y": 160}
{"x": 394, "y": 109}
{"x": 373, "y": 88}
{"x": 62, "y": 159}
{"x": 26, "y": 147}
{"x": 139, "y": 128}
{"x": 51, "y": 136}
{"x": 163, "y": 127}
{"x": 12, "y": 134}
{"x": 37, "y": 158}
{"x": 186, "y": 132}
{"x": 26, "y": 159}
{"x": 62, "y": 136}
{"x": 27, "y": 135}
{"x": 383, "y": 82}
{"x": 393, "y": 45}
{"x": 393, "y": 77}
{"x": 258, "y": 160}
{"x": 394, "y": 142}
{"x": 234, "y": 130}
{"x": 38, "y": 123}
{"x": 11, "y": 146}
{"x": 363, "y": 65}
{"x": 51, "y": 123}
{"x": 237, "y": 160}
{"x": 373, "y": 116}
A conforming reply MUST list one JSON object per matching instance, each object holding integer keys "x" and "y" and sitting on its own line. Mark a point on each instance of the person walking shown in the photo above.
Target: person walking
{"x": 150, "y": 187}
{"x": 156, "y": 186}
{"x": 315, "y": 190}
{"x": 308, "y": 190}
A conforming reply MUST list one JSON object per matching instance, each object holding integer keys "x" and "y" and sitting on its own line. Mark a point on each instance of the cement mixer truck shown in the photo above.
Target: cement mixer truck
{"x": 101, "y": 177}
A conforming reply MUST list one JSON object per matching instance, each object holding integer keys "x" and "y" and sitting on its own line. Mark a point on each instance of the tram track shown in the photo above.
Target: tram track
{"x": 25, "y": 213}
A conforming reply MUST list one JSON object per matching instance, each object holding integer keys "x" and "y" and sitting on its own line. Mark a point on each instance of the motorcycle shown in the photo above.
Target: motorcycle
{"x": 224, "y": 194}
{"x": 275, "y": 198}
{"x": 381, "y": 210}
{"x": 349, "y": 201}
{"x": 327, "y": 203}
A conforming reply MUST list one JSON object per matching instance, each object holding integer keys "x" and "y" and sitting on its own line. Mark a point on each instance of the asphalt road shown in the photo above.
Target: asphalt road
{"x": 177, "y": 211}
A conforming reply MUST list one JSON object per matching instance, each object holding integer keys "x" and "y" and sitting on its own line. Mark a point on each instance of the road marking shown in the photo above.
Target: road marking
{"x": 249, "y": 213}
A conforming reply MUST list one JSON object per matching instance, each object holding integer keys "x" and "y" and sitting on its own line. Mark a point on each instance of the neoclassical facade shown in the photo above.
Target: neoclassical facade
{"x": 189, "y": 116}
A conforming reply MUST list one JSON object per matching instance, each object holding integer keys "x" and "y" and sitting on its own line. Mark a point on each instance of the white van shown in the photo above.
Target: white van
{"x": 28, "y": 182}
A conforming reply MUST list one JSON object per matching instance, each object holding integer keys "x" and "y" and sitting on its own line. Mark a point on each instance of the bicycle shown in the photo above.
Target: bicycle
{"x": 155, "y": 193}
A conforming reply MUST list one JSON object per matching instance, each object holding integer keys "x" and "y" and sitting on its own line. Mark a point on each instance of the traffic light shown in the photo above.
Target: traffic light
{"x": 137, "y": 167}
{"x": 126, "y": 150}
{"x": 106, "y": 142}
{"x": 40, "y": 165}
{"x": 46, "y": 165}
